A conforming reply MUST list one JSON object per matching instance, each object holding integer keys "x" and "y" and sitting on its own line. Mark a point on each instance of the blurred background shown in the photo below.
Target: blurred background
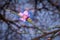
{"x": 45, "y": 16}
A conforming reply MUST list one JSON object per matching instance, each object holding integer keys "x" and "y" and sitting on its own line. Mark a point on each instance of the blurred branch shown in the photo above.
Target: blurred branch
{"x": 43, "y": 35}
{"x": 57, "y": 26}
{"x": 13, "y": 22}
{"x": 7, "y": 21}
{"x": 35, "y": 7}
{"x": 5, "y": 5}
{"x": 55, "y": 4}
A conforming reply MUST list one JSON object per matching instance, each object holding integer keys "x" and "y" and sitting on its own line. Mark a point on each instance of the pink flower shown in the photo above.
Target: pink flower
{"x": 24, "y": 15}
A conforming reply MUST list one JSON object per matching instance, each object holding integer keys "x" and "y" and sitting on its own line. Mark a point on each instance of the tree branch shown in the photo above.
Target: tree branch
{"x": 43, "y": 35}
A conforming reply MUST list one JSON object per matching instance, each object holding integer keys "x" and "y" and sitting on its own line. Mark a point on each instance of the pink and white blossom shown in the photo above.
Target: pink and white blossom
{"x": 24, "y": 15}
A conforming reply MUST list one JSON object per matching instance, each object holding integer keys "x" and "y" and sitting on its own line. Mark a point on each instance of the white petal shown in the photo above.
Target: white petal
{"x": 25, "y": 12}
{"x": 20, "y": 14}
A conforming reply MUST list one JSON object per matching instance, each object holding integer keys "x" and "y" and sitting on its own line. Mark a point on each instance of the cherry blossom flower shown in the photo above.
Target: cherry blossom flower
{"x": 24, "y": 15}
